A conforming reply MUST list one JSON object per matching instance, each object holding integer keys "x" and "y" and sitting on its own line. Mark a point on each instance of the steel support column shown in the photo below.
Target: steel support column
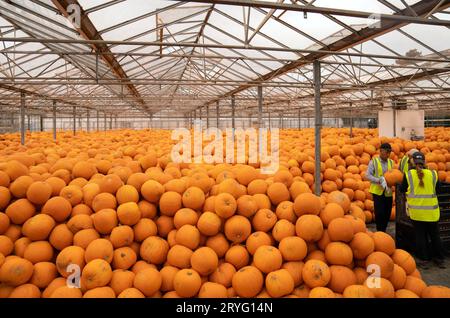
{"x": 233, "y": 104}
{"x": 217, "y": 114}
{"x": 74, "y": 120}
{"x": 351, "y": 121}
{"x": 54, "y": 120}
{"x": 207, "y": 116}
{"x": 87, "y": 121}
{"x": 394, "y": 110}
{"x": 260, "y": 104}
{"x": 317, "y": 126}
{"x": 22, "y": 118}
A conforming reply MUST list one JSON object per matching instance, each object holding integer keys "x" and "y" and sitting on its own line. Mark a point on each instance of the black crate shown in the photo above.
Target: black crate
{"x": 444, "y": 199}
{"x": 404, "y": 230}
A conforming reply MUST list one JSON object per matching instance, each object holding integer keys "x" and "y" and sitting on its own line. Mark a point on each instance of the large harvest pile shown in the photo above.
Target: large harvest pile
{"x": 113, "y": 206}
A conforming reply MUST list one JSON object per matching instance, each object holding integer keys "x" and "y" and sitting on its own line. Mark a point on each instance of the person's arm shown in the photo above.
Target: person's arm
{"x": 404, "y": 184}
{"x": 401, "y": 164}
{"x": 370, "y": 173}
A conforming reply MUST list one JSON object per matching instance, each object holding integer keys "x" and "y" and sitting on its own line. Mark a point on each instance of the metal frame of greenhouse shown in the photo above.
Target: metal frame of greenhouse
{"x": 223, "y": 61}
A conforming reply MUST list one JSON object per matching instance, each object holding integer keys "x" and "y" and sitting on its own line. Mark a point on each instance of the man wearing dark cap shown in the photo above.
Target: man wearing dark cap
{"x": 420, "y": 185}
{"x": 381, "y": 192}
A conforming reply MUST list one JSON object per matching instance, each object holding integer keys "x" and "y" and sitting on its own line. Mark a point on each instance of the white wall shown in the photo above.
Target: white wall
{"x": 386, "y": 123}
{"x": 405, "y": 122}
{"x": 408, "y": 120}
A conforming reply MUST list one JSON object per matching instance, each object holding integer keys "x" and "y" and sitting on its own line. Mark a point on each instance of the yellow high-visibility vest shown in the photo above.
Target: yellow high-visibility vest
{"x": 423, "y": 204}
{"x": 377, "y": 188}
{"x": 404, "y": 164}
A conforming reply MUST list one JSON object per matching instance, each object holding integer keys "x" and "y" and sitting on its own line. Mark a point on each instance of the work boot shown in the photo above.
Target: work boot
{"x": 439, "y": 263}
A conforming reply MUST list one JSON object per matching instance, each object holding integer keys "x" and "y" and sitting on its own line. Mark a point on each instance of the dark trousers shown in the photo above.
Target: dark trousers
{"x": 428, "y": 241}
{"x": 382, "y": 207}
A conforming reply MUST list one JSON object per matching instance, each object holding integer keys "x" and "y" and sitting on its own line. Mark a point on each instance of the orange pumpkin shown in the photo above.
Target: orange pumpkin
{"x": 316, "y": 273}
{"x": 247, "y": 282}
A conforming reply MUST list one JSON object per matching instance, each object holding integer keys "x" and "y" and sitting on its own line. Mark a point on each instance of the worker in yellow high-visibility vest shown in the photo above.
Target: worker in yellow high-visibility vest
{"x": 381, "y": 193}
{"x": 405, "y": 162}
{"x": 420, "y": 185}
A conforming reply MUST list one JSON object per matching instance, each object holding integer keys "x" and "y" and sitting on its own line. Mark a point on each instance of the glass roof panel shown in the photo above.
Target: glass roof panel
{"x": 123, "y": 11}
{"x": 35, "y": 16}
{"x": 355, "y": 5}
{"x": 401, "y": 44}
{"x": 212, "y": 34}
{"x": 316, "y": 25}
{"x": 88, "y": 4}
{"x": 429, "y": 35}
{"x": 400, "y": 5}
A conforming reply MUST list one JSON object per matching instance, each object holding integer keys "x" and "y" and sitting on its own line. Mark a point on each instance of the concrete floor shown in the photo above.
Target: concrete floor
{"x": 432, "y": 276}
